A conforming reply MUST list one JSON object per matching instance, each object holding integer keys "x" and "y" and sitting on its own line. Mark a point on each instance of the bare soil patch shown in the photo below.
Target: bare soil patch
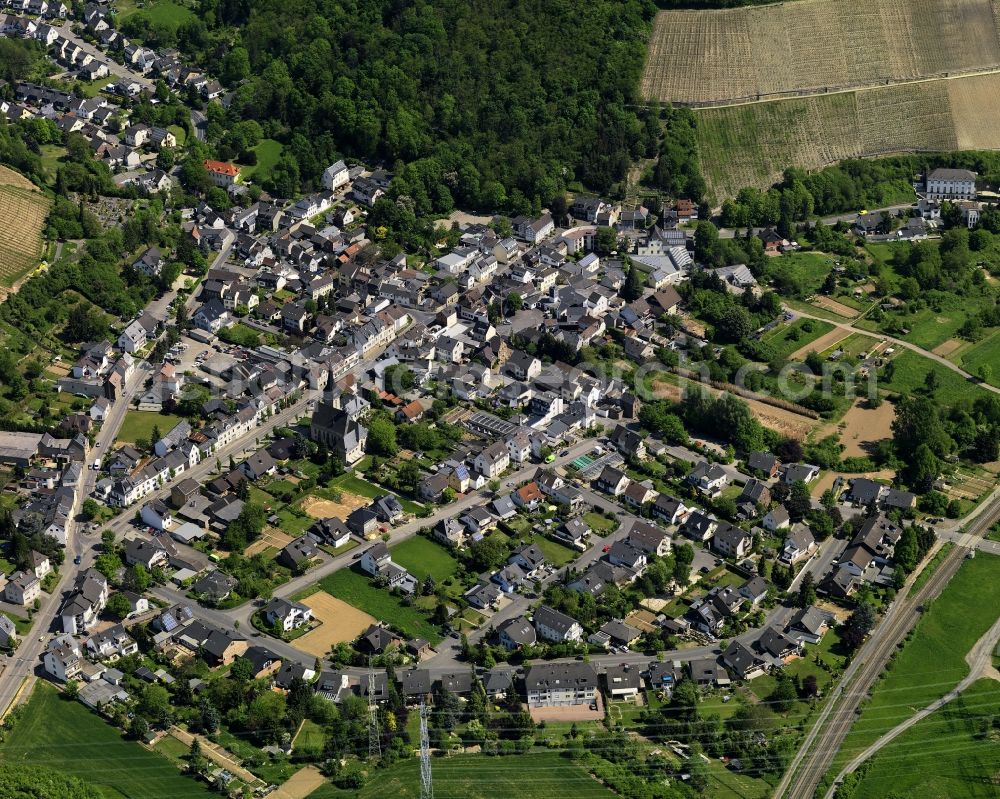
{"x": 325, "y": 508}
{"x": 269, "y": 537}
{"x": 642, "y": 620}
{"x": 302, "y": 783}
{"x": 946, "y": 348}
{"x": 838, "y": 308}
{"x": 339, "y": 622}
{"x": 788, "y": 423}
{"x": 824, "y": 342}
{"x": 862, "y": 427}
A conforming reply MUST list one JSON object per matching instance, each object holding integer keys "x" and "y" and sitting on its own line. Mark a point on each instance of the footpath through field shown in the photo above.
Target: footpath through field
{"x": 980, "y": 660}
{"x": 906, "y": 344}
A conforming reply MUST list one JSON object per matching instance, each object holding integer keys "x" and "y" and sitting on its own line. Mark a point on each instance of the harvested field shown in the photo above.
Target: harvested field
{"x": 788, "y": 423}
{"x": 302, "y": 783}
{"x": 824, "y": 342}
{"x": 269, "y": 537}
{"x": 340, "y": 622}
{"x": 746, "y": 53}
{"x": 8, "y": 177}
{"x": 862, "y": 427}
{"x": 325, "y": 508}
{"x": 946, "y": 348}
{"x": 975, "y": 106}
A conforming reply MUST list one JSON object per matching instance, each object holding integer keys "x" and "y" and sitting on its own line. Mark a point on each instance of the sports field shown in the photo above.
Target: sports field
{"x": 64, "y": 735}
{"x": 748, "y": 53}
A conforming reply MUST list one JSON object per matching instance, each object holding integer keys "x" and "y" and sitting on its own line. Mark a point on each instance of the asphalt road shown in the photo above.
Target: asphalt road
{"x": 26, "y": 660}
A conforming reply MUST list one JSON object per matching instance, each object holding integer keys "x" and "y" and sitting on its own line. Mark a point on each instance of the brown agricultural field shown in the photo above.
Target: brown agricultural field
{"x": 751, "y": 53}
{"x": 23, "y": 210}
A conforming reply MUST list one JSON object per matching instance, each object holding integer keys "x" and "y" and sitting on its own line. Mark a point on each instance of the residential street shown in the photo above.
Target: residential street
{"x": 66, "y": 29}
{"x": 27, "y": 660}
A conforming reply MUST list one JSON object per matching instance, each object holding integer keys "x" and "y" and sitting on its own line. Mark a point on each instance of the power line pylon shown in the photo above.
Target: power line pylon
{"x": 426, "y": 780}
{"x": 374, "y": 736}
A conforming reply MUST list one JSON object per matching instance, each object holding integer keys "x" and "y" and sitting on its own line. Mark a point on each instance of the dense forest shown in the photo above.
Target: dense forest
{"x": 490, "y": 105}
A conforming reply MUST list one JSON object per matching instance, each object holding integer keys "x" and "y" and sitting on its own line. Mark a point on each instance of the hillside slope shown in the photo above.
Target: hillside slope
{"x": 752, "y": 53}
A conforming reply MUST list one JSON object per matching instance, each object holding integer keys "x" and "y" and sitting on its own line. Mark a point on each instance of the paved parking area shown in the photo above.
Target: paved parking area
{"x": 569, "y": 712}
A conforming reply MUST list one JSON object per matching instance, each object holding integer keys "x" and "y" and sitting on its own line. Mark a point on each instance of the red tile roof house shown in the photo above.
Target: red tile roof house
{"x": 221, "y": 173}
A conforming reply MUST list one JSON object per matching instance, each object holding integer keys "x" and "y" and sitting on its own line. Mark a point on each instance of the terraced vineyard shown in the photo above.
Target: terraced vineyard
{"x": 23, "y": 209}
{"x": 733, "y": 55}
{"x": 752, "y": 144}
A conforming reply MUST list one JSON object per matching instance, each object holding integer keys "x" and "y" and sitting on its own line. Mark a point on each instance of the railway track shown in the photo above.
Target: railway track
{"x": 817, "y": 752}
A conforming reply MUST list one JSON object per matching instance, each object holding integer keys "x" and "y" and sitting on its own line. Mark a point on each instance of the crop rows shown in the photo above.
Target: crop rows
{"x": 975, "y": 104}
{"x": 752, "y": 144}
{"x": 22, "y": 220}
{"x": 810, "y": 45}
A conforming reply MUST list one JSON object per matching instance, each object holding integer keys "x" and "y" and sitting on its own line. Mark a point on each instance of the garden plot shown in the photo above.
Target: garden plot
{"x": 823, "y": 343}
{"x": 269, "y": 537}
{"x": 838, "y": 308}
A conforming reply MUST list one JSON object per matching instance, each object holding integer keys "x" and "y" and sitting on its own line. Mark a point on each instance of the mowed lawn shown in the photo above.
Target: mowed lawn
{"x": 268, "y": 154}
{"x": 933, "y": 661}
{"x": 784, "y": 340}
{"x": 422, "y": 557}
{"x": 532, "y": 776}
{"x": 138, "y": 425}
{"x": 356, "y": 589}
{"x": 355, "y": 485}
{"x": 983, "y": 353}
{"x": 64, "y": 735}
{"x": 943, "y": 755}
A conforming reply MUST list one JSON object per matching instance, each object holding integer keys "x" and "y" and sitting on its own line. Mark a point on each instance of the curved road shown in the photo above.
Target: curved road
{"x": 900, "y": 342}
